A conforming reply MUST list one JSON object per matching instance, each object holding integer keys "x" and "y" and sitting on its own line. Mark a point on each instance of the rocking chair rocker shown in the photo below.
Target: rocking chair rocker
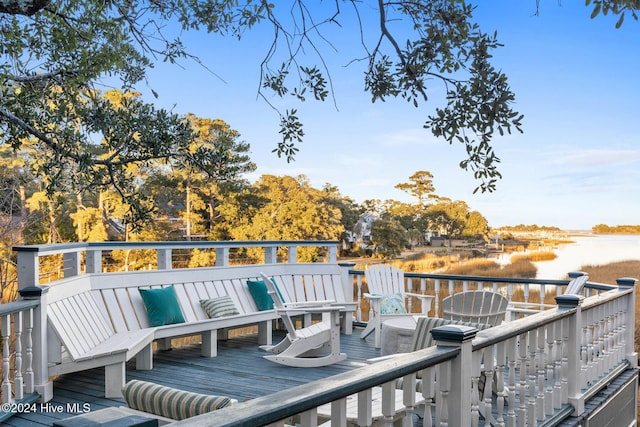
{"x": 312, "y": 346}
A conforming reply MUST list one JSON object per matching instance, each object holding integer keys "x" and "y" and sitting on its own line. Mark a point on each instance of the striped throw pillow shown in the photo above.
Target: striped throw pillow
{"x": 169, "y": 402}
{"x": 219, "y": 307}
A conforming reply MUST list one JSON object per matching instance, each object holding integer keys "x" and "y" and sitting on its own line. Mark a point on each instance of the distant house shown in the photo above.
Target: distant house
{"x": 361, "y": 235}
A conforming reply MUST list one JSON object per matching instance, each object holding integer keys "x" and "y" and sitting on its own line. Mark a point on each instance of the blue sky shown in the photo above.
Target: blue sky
{"x": 576, "y": 81}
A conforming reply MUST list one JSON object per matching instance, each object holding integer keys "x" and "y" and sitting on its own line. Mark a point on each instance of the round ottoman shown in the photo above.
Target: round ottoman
{"x": 396, "y": 335}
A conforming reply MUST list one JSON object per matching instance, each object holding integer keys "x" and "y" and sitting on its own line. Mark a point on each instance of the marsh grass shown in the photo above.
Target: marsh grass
{"x": 534, "y": 256}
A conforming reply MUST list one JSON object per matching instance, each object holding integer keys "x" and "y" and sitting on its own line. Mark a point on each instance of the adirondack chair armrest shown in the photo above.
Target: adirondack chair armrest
{"x": 525, "y": 308}
{"x": 421, "y": 296}
{"x": 320, "y": 303}
{"x": 319, "y": 309}
{"x": 427, "y": 301}
{"x": 372, "y": 296}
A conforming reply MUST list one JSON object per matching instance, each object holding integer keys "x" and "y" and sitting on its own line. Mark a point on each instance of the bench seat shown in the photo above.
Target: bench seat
{"x": 100, "y": 319}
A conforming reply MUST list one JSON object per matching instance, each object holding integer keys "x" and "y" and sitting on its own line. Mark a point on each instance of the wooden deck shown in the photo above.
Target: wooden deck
{"x": 239, "y": 371}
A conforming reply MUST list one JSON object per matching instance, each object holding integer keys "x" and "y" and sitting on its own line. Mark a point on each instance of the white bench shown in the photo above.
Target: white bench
{"x": 99, "y": 319}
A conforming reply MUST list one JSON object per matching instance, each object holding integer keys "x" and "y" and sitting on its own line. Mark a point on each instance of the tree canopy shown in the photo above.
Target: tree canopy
{"x": 59, "y": 55}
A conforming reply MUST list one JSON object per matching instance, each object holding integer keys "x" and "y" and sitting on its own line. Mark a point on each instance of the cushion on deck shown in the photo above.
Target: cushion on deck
{"x": 162, "y": 306}
{"x": 170, "y": 402}
{"x": 219, "y": 307}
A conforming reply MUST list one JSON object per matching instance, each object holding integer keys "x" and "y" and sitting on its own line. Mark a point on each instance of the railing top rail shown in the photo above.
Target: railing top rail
{"x": 261, "y": 410}
{"x": 14, "y": 307}
{"x": 493, "y": 279}
{"x": 507, "y": 330}
{"x": 57, "y": 248}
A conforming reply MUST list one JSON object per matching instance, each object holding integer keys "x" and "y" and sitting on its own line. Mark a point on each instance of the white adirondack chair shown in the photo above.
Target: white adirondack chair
{"x": 312, "y": 346}
{"x": 574, "y": 287}
{"x": 482, "y": 307}
{"x": 385, "y": 281}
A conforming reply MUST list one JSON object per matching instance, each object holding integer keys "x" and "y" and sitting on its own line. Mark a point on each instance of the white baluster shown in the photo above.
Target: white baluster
{"x": 388, "y": 403}
{"x": 28, "y": 374}
{"x": 6, "y": 383}
{"x": 557, "y": 386}
{"x": 532, "y": 377}
{"x": 541, "y": 362}
{"x": 521, "y": 414}
{"x": 551, "y": 355}
{"x": 18, "y": 388}
{"x": 512, "y": 360}
{"x": 501, "y": 360}
{"x": 365, "y": 401}
{"x": 428, "y": 390}
{"x": 488, "y": 382}
{"x": 409, "y": 399}
{"x": 444, "y": 385}
{"x": 475, "y": 378}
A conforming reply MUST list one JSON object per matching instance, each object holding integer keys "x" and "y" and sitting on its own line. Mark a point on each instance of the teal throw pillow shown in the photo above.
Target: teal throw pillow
{"x": 162, "y": 306}
{"x": 260, "y": 294}
{"x": 392, "y": 304}
{"x": 219, "y": 307}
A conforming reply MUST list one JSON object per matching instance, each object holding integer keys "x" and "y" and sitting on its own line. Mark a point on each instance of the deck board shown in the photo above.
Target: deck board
{"x": 239, "y": 371}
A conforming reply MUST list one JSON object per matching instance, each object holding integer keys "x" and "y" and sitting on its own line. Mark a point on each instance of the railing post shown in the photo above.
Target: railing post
{"x": 42, "y": 385}
{"x": 573, "y": 343}
{"x": 630, "y": 354}
{"x": 71, "y": 264}
{"x": 28, "y": 271}
{"x": 459, "y": 395}
{"x": 270, "y": 254}
{"x": 292, "y": 254}
{"x": 164, "y": 259}
{"x": 332, "y": 254}
{"x": 93, "y": 261}
{"x": 346, "y": 280}
{"x": 222, "y": 257}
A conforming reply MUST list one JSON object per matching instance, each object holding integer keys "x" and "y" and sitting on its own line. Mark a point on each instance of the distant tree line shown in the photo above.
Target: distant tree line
{"x": 522, "y": 228}
{"x": 616, "y": 229}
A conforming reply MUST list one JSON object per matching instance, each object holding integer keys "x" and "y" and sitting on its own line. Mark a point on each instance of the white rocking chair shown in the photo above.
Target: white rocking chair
{"x": 313, "y": 346}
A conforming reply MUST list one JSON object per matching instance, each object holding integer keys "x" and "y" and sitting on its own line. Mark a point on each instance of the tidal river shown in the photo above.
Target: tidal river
{"x": 597, "y": 249}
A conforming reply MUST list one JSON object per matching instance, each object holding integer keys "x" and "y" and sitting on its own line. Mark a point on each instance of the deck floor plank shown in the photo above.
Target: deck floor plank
{"x": 239, "y": 371}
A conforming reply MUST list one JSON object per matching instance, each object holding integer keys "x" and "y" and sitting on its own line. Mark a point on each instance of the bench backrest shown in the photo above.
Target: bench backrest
{"x": 116, "y": 296}
{"x": 76, "y": 318}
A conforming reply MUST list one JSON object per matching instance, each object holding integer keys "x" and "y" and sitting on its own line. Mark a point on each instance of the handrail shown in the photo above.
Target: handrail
{"x": 58, "y": 248}
{"x": 299, "y": 399}
{"x": 28, "y": 257}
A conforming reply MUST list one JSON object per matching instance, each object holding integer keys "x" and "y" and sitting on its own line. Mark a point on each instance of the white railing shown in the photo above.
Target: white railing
{"x": 89, "y": 257}
{"x": 541, "y": 367}
{"x": 17, "y": 344}
{"x": 538, "y": 369}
